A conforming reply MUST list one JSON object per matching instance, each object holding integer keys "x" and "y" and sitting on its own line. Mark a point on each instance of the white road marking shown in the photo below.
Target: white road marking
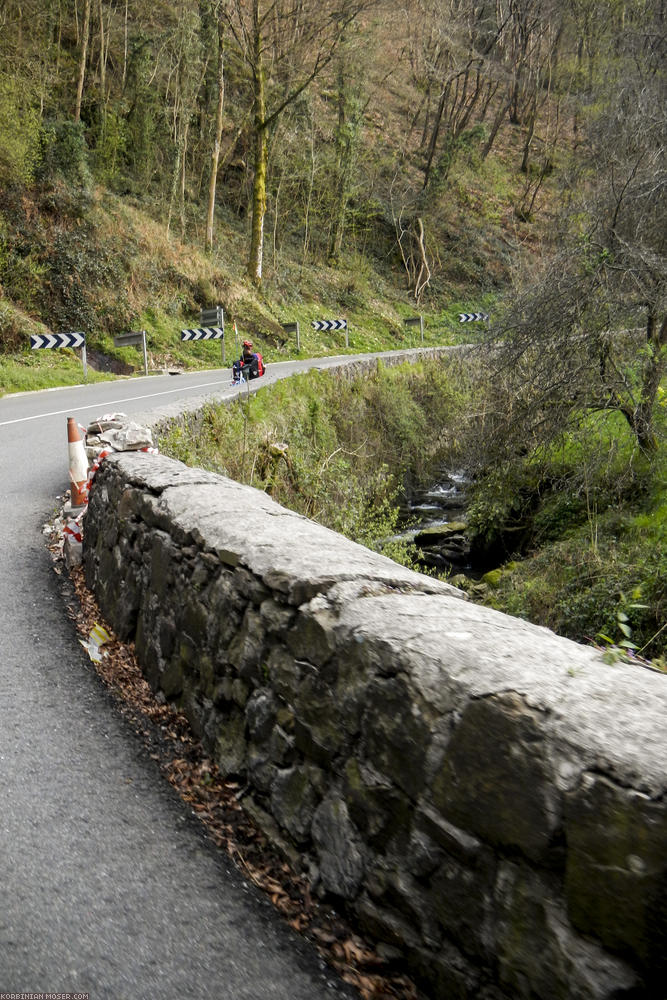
{"x": 111, "y": 402}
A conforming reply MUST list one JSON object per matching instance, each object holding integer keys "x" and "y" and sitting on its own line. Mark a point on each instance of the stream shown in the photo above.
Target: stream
{"x": 434, "y": 519}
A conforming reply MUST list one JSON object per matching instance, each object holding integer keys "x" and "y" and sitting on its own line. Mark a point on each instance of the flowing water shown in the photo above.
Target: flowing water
{"x": 434, "y": 519}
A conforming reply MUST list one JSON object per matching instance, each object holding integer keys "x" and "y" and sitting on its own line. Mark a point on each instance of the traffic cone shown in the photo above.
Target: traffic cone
{"x": 78, "y": 465}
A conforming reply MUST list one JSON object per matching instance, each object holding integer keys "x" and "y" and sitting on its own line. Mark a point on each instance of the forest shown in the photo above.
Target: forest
{"x": 290, "y": 159}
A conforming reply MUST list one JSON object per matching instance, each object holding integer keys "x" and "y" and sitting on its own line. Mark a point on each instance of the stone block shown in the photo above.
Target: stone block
{"x": 539, "y": 953}
{"x": 276, "y": 617}
{"x": 240, "y": 691}
{"x": 616, "y": 870}
{"x": 284, "y": 674}
{"x": 250, "y": 586}
{"x": 382, "y": 924}
{"x": 295, "y": 794}
{"x": 161, "y": 564}
{"x": 461, "y": 901}
{"x": 282, "y": 747}
{"x": 171, "y": 679}
{"x": 247, "y": 647}
{"x": 378, "y": 808}
{"x": 193, "y": 618}
{"x": 423, "y": 855}
{"x": 496, "y": 780}
{"x": 395, "y": 736}
{"x": 230, "y": 747}
{"x": 339, "y": 848}
{"x": 445, "y": 974}
{"x": 456, "y": 842}
{"x": 319, "y": 721}
{"x": 261, "y": 715}
{"x": 312, "y": 636}
{"x": 261, "y": 771}
{"x": 395, "y": 890}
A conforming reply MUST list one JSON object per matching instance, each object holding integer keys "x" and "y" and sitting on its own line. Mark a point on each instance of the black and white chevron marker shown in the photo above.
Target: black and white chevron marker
{"x": 49, "y": 340}
{"x": 203, "y": 333}
{"x": 329, "y": 324}
{"x": 473, "y": 317}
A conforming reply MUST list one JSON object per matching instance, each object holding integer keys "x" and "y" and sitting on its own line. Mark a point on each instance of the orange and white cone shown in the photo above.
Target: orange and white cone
{"x": 78, "y": 465}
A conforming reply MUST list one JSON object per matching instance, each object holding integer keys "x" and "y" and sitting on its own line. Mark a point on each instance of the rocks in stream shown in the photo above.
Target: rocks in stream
{"x": 438, "y": 516}
{"x": 444, "y": 545}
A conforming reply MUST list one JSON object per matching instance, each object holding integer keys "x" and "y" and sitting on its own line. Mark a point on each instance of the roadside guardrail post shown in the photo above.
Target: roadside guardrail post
{"x": 416, "y": 321}
{"x": 214, "y": 319}
{"x": 293, "y": 328}
{"x": 135, "y": 337}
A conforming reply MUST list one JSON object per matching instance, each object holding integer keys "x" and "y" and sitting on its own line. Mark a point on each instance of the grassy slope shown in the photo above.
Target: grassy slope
{"x": 111, "y": 267}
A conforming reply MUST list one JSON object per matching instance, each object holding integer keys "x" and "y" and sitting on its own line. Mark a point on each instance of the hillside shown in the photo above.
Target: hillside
{"x": 417, "y": 173}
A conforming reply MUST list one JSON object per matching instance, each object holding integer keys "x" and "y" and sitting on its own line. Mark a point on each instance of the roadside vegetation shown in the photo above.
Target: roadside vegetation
{"x": 577, "y": 531}
{"x": 335, "y": 449}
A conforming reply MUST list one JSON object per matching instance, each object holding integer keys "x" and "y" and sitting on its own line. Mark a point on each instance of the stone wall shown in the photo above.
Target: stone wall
{"x": 484, "y": 798}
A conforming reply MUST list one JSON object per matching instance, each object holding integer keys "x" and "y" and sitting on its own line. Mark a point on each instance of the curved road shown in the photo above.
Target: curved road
{"x": 107, "y": 884}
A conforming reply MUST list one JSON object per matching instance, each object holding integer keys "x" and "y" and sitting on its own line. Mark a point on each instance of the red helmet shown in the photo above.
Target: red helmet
{"x": 247, "y": 343}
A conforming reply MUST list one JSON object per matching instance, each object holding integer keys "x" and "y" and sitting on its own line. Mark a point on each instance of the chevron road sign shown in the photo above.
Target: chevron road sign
{"x": 332, "y": 324}
{"x": 329, "y": 324}
{"x": 216, "y": 332}
{"x": 203, "y": 333}
{"x": 473, "y": 317}
{"x": 49, "y": 340}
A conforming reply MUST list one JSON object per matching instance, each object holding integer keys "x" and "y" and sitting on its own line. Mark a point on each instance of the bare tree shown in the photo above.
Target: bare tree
{"x": 186, "y": 71}
{"x": 448, "y": 46}
{"x": 217, "y": 138}
{"x": 590, "y": 333}
{"x": 285, "y": 44}
{"x": 348, "y": 129}
{"x": 83, "y": 56}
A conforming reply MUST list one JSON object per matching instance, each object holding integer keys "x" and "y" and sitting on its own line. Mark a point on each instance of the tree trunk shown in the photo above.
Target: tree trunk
{"x": 82, "y": 60}
{"x": 654, "y": 369}
{"x": 640, "y": 418}
{"x": 530, "y": 132}
{"x": 215, "y": 154}
{"x": 495, "y": 128}
{"x": 125, "y": 46}
{"x": 255, "y": 258}
{"x": 345, "y": 149}
{"x": 103, "y": 65}
{"x": 104, "y": 52}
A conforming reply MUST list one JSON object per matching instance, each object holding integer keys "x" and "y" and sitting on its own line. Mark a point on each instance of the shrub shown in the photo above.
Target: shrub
{"x": 64, "y": 155}
{"x": 19, "y": 133}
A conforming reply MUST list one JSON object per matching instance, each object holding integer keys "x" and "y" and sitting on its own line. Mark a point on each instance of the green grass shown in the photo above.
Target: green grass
{"x": 24, "y": 373}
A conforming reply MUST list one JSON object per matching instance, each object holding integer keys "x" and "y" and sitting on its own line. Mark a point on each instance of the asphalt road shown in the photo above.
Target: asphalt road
{"x": 107, "y": 884}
